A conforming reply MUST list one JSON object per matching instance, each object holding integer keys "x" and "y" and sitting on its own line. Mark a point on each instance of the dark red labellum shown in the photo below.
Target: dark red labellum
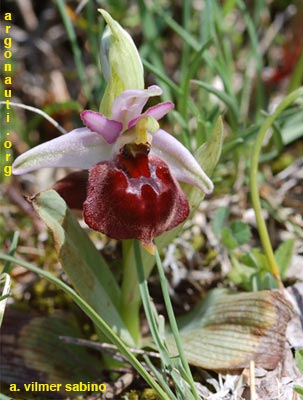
{"x": 134, "y": 198}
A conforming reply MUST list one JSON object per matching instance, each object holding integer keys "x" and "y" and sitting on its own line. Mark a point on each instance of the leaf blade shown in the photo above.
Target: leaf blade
{"x": 85, "y": 267}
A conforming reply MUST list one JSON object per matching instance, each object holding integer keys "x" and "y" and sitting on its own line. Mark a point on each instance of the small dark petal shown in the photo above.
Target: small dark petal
{"x": 134, "y": 198}
{"x": 73, "y": 189}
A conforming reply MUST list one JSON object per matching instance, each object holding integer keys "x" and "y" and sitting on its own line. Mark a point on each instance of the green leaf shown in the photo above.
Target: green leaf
{"x": 292, "y": 129}
{"x": 183, "y": 33}
{"x": 86, "y": 269}
{"x": 12, "y": 249}
{"x": 225, "y": 331}
{"x": 223, "y": 96}
{"x": 207, "y": 156}
{"x": 40, "y": 355}
{"x": 298, "y": 389}
{"x": 256, "y": 259}
{"x": 240, "y": 231}
{"x": 235, "y": 235}
{"x": 240, "y": 274}
{"x": 219, "y": 220}
{"x": 299, "y": 360}
{"x": 297, "y": 75}
{"x": 250, "y": 259}
{"x": 252, "y": 272}
{"x": 5, "y": 281}
{"x": 227, "y": 239}
{"x": 3, "y": 397}
{"x": 250, "y": 278}
{"x": 283, "y": 255}
{"x": 262, "y": 280}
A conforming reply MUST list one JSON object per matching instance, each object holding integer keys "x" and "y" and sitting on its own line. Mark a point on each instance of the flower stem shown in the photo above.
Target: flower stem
{"x": 264, "y": 236}
{"x": 130, "y": 295}
{"x": 152, "y": 318}
{"x": 150, "y": 314}
{"x": 145, "y": 296}
{"x": 173, "y": 324}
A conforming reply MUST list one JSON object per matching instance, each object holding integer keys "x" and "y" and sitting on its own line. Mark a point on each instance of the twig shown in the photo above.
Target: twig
{"x": 37, "y": 111}
{"x": 105, "y": 346}
{"x": 252, "y": 382}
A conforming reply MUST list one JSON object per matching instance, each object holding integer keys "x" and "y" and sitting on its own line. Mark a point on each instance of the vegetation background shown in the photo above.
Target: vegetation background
{"x": 234, "y": 58}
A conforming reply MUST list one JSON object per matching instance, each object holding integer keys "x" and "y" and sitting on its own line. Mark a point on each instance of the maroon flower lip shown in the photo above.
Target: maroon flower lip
{"x": 130, "y": 197}
{"x": 134, "y": 197}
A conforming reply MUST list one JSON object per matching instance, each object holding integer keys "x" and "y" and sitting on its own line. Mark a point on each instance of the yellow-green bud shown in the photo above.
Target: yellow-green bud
{"x": 120, "y": 61}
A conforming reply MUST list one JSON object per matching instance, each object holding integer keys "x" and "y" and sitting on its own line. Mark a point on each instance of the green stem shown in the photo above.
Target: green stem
{"x": 173, "y": 324}
{"x": 152, "y": 318}
{"x": 96, "y": 319}
{"x": 297, "y": 75}
{"x": 145, "y": 296}
{"x": 254, "y": 182}
{"x": 130, "y": 299}
{"x": 12, "y": 249}
{"x": 5, "y": 280}
{"x": 150, "y": 314}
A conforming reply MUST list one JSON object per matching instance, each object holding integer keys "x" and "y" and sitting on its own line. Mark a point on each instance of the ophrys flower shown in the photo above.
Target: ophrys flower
{"x": 131, "y": 190}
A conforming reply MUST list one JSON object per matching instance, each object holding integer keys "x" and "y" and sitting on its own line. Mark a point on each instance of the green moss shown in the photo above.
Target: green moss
{"x": 147, "y": 394}
{"x": 282, "y": 162}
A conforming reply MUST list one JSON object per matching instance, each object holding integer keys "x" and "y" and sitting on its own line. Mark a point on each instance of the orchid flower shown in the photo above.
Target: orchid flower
{"x": 131, "y": 190}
